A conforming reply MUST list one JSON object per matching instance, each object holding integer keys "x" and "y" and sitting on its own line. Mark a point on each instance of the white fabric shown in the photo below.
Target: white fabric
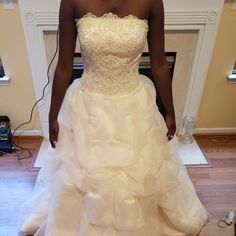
{"x": 113, "y": 172}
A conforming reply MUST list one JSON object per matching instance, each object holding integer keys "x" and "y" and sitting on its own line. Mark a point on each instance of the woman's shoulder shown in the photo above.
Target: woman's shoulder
{"x": 80, "y": 7}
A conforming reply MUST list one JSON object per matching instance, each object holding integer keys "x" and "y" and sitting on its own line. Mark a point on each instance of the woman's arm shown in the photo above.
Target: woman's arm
{"x": 160, "y": 70}
{"x": 63, "y": 72}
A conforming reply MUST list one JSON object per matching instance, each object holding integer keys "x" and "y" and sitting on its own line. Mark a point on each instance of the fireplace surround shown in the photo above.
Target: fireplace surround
{"x": 201, "y": 17}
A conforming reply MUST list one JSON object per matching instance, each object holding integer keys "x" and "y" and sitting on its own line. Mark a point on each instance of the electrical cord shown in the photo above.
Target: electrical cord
{"x": 18, "y": 152}
{"x": 228, "y": 220}
{"x": 15, "y": 146}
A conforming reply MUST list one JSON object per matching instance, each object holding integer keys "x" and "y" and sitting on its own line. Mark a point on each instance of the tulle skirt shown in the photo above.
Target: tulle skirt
{"x": 113, "y": 172}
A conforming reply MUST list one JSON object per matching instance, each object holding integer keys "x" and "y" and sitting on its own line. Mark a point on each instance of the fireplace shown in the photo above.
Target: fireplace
{"x": 190, "y": 26}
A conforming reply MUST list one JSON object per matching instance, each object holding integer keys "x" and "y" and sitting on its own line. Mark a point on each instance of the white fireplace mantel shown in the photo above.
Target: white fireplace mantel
{"x": 202, "y": 16}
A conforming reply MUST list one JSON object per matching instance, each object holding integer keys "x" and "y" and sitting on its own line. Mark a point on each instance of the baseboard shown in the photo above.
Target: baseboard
{"x": 231, "y": 130}
{"x": 29, "y": 133}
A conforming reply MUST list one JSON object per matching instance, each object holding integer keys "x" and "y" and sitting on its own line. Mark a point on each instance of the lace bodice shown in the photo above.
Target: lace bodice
{"x": 111, "y": 47}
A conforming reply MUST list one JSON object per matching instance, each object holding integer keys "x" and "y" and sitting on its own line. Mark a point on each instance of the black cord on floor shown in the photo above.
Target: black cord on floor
{"x": 15, "y": 146}
{"x": 17, "y": 151}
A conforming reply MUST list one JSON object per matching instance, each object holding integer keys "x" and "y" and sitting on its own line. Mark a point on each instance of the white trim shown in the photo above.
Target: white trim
{"x": 29, "y": 133}
{"x": 171, "y": 17}
{"x": 191, "y": 17}
{"x": 231, "y": 130}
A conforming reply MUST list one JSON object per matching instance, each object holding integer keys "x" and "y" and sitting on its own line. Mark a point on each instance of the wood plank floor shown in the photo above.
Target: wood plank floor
{"x": 17, "y": 180}
{"x": 215, "y": 185}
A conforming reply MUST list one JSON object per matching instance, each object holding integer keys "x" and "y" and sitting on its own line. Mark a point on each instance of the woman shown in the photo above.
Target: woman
{"x": 112, "y": 170}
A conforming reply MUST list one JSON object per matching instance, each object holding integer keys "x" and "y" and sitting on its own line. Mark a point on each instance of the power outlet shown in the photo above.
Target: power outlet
{"x": 8, "y": 5}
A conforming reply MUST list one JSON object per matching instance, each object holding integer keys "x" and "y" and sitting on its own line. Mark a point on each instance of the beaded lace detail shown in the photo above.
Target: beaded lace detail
{"x": 111, "y": 47}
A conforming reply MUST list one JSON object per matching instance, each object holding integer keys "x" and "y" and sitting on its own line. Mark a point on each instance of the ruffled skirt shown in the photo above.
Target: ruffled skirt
{"x": 113, "y": 172}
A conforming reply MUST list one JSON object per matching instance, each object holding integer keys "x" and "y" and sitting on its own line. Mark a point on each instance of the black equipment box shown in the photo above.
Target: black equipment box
{"x": 5, "y": 134}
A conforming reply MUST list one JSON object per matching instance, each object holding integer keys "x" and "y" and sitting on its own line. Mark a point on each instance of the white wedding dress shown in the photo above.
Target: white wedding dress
{"x": 113, "y": 172}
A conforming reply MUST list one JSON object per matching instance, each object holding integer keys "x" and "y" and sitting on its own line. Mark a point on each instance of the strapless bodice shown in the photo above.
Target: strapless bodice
{"x": 111, "y": 47}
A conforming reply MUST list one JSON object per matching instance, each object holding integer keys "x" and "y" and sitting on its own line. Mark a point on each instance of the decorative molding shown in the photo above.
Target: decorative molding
{"x": 188, "y": 17}
{"x": 231, "y": 130}
{"x": 212, "y": 17}
{"x": 171, "y": 18}
{"x": 47, "y": 18}
{"x": 30, "y": 17}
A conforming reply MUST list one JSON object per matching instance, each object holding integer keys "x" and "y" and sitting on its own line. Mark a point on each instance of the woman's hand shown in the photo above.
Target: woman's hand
{"x": 171, "y": 126}
{"x": 53, "y": 132}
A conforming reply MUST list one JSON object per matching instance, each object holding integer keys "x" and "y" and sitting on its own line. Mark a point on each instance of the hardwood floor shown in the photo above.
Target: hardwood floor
{"x": 16, "y": 183}
{"x": 215, "y": 185}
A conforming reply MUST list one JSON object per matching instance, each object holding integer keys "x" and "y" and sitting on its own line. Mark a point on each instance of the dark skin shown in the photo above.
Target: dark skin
{"x": 152, "y": 10}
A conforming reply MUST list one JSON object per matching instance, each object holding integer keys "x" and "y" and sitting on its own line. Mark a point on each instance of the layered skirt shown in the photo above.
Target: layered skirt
{"x": 113, "y": 172}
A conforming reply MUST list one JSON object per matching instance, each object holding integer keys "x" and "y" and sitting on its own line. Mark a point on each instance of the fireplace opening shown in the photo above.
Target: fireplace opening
{"x": 144, "y": 68}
